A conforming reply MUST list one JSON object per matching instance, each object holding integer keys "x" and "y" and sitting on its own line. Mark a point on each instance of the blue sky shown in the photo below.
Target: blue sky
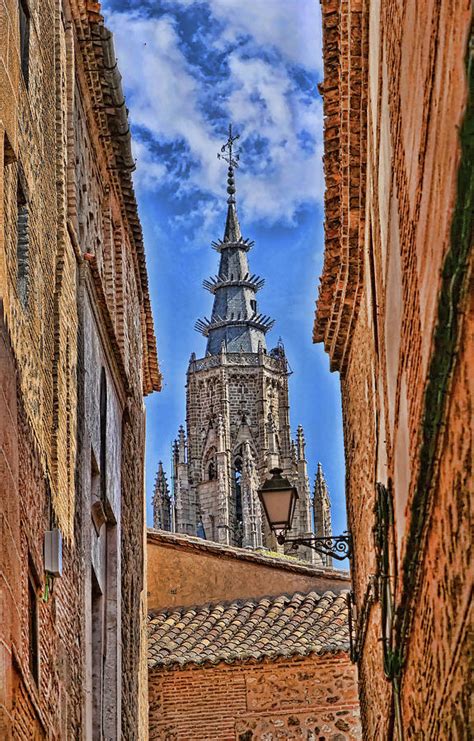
{"x": 189, "y": 67}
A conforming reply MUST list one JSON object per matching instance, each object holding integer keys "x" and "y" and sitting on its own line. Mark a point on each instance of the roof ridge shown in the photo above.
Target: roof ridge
{"x": 241, "y": 601}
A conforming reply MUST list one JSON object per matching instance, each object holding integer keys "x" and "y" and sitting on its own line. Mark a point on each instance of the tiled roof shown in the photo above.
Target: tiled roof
{"x": 245, "y": 630}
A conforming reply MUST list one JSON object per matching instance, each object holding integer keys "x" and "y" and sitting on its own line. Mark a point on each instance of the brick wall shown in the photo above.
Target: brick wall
{"x": 394, "y": 316}
{"x": 51, "y": 703}
{"x": 296, "y": 699}
{"x": 74, "y": 304}
{"x": 133, "y": 569}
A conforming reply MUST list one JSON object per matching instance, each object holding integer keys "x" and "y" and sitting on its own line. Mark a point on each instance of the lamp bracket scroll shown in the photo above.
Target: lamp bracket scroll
{"x": 336, "y": 546}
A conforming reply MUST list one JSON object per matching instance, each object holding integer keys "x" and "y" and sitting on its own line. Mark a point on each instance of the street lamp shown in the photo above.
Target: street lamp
{"x": 278, "y": 498}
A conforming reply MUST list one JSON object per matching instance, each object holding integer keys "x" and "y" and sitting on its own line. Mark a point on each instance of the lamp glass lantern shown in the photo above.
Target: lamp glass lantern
{"x": 278, "y": 498}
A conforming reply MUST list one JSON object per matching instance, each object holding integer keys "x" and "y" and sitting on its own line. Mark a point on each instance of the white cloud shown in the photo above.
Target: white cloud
{"x": 293, "y": 27}
{"x": 266, "y": 100}
{"x": 162, "y": 93}
{"x": 165, "y": 94}
{"x": 149, "y": 171}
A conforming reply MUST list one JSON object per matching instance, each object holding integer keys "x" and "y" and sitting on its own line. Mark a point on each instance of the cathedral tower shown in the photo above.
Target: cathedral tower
{"x": 237, "y": 421}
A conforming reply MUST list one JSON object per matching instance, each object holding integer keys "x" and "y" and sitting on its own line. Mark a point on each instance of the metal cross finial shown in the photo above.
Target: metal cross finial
{"x": 227, "y": 150}
{"x": 232, "y": 158}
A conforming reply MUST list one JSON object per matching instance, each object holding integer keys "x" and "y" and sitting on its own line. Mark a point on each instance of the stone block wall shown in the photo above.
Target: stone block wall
{"x": 394, "y": 314}
{"x": 290, "y": 699}
{"x": 237, "y": 409}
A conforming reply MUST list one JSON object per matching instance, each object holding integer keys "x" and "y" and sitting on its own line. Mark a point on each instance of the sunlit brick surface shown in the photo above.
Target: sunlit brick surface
{"x": 395, "y": 97}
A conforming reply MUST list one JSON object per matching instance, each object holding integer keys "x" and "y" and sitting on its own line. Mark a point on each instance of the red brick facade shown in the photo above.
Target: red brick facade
{"x": 77, "y": 355}
{"x": 295, "y": 699}
{"x": 394, "y": 315}
{"x": 32, "y": 707}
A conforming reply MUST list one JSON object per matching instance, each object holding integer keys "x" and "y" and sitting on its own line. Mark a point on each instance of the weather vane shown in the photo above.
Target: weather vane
{"x": 227, "y": 150}
{"x": 232, "y": 157}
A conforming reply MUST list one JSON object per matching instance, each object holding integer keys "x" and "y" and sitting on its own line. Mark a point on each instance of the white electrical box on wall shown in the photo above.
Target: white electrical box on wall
{"x": 53, "y": 552}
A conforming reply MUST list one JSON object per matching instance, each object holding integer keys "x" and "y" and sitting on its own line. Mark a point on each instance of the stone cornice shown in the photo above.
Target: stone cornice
{"x": 248, "y": 360}
{"x": 259, "y": 321}
{"x": 254, "y": 283}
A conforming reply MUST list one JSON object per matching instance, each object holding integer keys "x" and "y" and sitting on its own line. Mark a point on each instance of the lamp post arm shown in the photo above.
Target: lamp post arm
{"x": 337, "y": 546}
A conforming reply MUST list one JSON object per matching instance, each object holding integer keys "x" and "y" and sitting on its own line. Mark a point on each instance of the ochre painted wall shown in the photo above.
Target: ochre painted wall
{"x": 179, "y": 572}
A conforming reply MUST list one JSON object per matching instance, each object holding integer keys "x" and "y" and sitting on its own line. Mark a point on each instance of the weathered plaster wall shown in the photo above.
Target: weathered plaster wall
{"x": 180, "y": 571}
{"x": 297, "y": 699}
{"x": 101, "y": 550}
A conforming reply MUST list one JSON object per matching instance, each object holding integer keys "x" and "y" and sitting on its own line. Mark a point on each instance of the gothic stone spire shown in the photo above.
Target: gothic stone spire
{"x": 235, "y": 322}
{"x": 161, "y": 501}
{"x": 322, "y": 505}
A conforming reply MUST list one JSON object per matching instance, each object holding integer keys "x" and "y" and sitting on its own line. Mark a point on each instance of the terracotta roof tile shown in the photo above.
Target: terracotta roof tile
{"x": 269, "y": 627}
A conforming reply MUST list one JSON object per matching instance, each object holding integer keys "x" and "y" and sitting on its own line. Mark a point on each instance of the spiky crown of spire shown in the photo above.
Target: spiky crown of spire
{"x": 235, "y": 324}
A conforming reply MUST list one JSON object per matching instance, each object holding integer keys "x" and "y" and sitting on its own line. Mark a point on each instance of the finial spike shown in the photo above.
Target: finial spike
{"x": 232, "y": 157}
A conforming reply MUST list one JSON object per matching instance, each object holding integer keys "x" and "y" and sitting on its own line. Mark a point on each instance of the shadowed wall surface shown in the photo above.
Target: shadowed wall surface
{"x": 394, "y": 314}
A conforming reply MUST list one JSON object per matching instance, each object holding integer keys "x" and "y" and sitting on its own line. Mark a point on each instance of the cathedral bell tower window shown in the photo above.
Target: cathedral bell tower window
{"x": 211, "y": 471}
{"x": 210, "y": 465}
{"x": 238, "y": 500}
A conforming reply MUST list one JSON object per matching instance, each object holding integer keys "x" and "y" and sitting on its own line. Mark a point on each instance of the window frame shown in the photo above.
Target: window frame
{"x": 24, "y": 22}
{"x": 22, "y": 241}
{"x": 33, "y": 628}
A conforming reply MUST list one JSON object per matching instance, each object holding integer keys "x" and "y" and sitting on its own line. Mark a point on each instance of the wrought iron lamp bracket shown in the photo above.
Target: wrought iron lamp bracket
{"x": 337, "y": 546}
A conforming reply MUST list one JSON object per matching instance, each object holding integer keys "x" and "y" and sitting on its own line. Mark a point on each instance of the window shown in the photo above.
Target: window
{"x": 97, "y": 508}
{"x": 24, "y": 14}
{"x": 238, "y": 499}
{"x": 97, "y": 629}
{"x": 22, "y": 245}
{"x": 210, "y": 465}
{"x": 33, "y": 647}
{"x": 211, "y": 471}
{"x": 103, "y": 435}
{"x": 253, "y": 305}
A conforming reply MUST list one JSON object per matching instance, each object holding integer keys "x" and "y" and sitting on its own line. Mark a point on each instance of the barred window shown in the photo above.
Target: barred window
{"x": 24, "y": 14}
{"x": 22, "y": 245}
{"x": 33, "y": 642}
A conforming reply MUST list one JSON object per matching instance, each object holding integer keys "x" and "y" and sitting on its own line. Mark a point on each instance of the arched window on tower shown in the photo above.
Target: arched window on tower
{"x": 211, "y": 471}
{"x": 210, "y": 465}
{"x": 238, "y": 500}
